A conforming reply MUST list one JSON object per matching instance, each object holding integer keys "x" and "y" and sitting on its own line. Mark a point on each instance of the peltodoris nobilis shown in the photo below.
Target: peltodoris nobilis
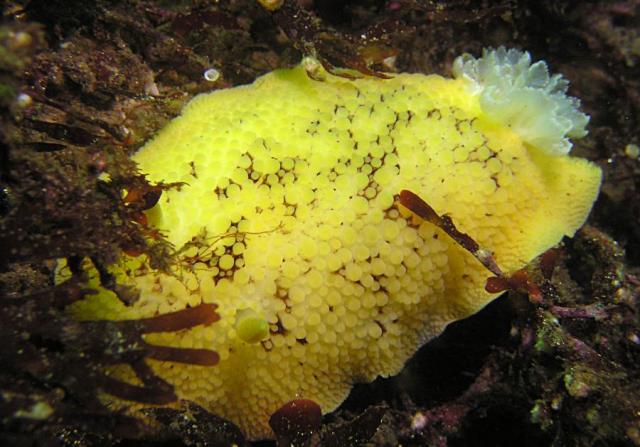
{"x": 288, "y": 220}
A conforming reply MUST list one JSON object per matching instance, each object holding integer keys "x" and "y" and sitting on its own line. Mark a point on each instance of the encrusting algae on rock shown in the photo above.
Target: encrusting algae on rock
{"x": 288, "y": 220}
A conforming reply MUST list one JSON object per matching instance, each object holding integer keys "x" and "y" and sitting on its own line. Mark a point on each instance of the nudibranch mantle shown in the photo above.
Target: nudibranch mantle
{"x": 288, "y": 221}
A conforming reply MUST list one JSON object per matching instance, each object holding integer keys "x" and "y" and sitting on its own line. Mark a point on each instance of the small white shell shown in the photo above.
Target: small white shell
{"x": 212, "y": 75}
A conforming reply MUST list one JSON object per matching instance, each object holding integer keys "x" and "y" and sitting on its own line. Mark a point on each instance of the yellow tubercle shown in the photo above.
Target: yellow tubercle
{"x": 250, "y": 327}
{"x": 289, "y": 199}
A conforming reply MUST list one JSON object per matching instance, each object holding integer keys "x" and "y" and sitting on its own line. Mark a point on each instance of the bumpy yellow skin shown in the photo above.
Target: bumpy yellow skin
{"x": 289, "y": 194}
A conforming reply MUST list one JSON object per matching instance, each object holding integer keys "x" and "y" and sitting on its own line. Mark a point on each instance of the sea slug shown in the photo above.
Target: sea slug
{"x": 288, "y": 220}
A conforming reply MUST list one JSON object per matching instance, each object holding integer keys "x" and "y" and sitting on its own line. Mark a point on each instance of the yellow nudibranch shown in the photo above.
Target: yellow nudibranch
{"x": 288, "y": 220}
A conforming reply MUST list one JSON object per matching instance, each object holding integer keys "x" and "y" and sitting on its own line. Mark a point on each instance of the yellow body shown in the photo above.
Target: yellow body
{"x": 289, "y": 204}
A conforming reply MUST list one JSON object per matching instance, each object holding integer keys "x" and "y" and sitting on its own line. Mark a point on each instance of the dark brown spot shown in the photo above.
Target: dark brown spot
{"x": 296, "y": 421}
{"x": 548, "y": 262}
